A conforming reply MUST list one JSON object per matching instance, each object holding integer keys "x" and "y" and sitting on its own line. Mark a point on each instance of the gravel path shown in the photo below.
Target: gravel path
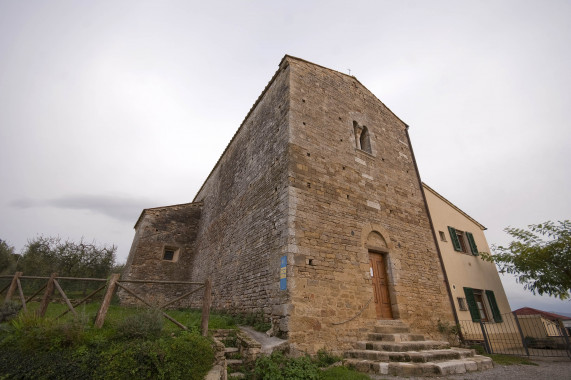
{"x": 547, "y": 368}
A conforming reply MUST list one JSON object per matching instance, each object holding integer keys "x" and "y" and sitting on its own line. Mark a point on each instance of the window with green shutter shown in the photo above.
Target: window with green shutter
{"x": 472, "y": 243}
{"x": 454, "y": 239}
{"x": 471, "y": 300}
{"x": 494, "y": 306}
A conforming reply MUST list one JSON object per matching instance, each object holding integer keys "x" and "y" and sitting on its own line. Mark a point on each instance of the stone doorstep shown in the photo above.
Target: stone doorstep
{"x": 392, "y": 329}
{"x": 410, "y": 356}
{"x": 390, "y": 322}
{"x": 402, "y": 346}
{"x": 396, "y": 337}
{"x": 449, "y": 367}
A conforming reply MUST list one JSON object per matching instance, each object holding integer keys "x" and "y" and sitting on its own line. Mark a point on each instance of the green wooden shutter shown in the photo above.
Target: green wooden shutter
{"x": 454, "y": 238}
{"x": 494, "y": 306}
{"x": 472, "y": 243}
{"x": 471, "y": 301}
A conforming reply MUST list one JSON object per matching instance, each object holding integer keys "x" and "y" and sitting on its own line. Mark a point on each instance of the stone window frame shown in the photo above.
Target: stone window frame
{"x": 462, "y": 305}
{"x": 442, "y": 236}
{"x": 362, "y": 138}
{"x": 175, "y": 253}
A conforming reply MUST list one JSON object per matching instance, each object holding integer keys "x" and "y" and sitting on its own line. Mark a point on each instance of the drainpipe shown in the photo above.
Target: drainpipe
{"x": 450, "y": 298}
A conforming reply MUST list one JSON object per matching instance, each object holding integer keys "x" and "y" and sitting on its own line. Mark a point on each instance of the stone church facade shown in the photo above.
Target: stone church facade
{"x": 314, "y": 216}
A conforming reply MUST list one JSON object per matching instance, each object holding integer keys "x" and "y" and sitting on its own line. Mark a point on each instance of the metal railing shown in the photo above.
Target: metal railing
{"x": 529, "y": 335}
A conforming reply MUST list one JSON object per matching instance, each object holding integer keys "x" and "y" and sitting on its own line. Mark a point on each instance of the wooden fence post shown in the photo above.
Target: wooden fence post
{"x": 47, "y": 296}
{"x": 106, "y": 300}
{"x": 206, "y": 302}
{"x": 13, "y": 286}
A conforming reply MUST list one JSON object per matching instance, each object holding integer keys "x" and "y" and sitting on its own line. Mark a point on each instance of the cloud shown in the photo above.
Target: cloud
{"x": 122, "y": 208}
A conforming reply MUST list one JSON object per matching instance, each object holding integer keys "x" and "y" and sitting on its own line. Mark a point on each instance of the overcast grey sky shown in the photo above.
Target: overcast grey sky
{"x": 109, "y": 107}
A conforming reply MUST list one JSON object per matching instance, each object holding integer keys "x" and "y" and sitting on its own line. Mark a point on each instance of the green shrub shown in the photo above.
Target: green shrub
{"x": 147, "y": 325}
{"x": 278, "y": 367}
{"x": 9, "y": 310}
{"x": 53, "y": 365}
{"x": 301, "y": 368}
{"x": 325, "y": 359}
{"x": 188, "y": 356}
{"x": 269, "y": 367}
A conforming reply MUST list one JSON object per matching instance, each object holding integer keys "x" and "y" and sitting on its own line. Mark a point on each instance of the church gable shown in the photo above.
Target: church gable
{"x": 316, "y": 197}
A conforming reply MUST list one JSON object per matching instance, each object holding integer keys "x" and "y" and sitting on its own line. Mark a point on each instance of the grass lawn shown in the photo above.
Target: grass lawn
{"x": 116, "y": 313}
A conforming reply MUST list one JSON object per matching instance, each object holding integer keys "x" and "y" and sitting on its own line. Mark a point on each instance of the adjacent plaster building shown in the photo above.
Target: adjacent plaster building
{"x": 314, "y": 216}
{"x": 475, "y": 285}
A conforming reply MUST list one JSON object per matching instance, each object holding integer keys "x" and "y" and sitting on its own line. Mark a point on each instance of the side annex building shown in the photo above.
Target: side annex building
{"x": 314, "y": 215}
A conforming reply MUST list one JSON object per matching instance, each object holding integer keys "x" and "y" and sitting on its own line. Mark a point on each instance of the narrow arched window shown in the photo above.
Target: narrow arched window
{"x": 365, "y": 141}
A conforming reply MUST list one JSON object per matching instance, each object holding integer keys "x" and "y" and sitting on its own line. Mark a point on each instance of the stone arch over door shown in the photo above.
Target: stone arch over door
{"x": 379, "y": 250}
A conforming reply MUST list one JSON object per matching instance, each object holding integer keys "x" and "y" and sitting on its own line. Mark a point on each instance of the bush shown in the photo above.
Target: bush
{"x": 278, "y": 367}
{"x": 9, "y": 310}
{"x": 188, "y": 356}
{"x": 43, "y": 348}
{"x": 325, "y": 359}
{"x": 147, "y": 325}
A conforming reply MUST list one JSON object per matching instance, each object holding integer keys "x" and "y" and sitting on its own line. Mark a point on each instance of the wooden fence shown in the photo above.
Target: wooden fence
{"x": 110, "y": 286}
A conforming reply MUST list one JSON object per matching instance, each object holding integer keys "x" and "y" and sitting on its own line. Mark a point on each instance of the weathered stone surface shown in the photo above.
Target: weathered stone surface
{"x": 299, "y": 179}
{"x": 173, "y": 227}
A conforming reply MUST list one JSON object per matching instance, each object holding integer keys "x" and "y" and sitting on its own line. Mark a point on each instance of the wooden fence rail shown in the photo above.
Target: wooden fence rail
{"x": 111, "y": 286}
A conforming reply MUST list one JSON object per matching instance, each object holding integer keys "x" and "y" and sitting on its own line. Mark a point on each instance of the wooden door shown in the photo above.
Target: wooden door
{"x": 380, "y": 286}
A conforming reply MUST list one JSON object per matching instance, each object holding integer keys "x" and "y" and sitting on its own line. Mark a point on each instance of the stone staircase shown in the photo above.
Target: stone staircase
{"x": 392, "y": 350}
{"x": 234, "y": 362}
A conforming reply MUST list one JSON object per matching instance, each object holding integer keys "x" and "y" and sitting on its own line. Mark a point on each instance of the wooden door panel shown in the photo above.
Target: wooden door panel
{"x": 380, "y": 286}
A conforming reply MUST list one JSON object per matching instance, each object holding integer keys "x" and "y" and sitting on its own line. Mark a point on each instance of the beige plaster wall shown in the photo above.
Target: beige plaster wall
{"x": 464, "y": 270}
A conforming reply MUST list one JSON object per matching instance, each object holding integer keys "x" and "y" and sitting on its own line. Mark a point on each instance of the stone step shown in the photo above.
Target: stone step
{"x": 236, "y": 375}
{"x": 392, "y": 329}
{"x": 475, "y": 363}
{"x": 396, "y": 337}
{"x": 402, "y": 346}
{"x": 379, "y": 356}
{"x": 234, "y": 362}
{"x": 228, "y": 350}
{"x": 447, "y": 367}
{"x": 410, "y": 356}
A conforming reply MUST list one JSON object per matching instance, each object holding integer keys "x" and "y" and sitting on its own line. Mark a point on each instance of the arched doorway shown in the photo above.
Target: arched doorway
{"x": 378, "y": 251}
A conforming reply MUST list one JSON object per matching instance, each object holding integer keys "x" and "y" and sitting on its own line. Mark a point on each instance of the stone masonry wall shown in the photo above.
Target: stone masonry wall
{"x": 339, "y": 195}
{"x": 243, "y": 228}
{"x": 173, "y": 227}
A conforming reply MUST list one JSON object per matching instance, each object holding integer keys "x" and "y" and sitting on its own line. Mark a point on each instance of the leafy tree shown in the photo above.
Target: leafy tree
{"x": 45, "y": 255}
{"x": 7, "y": 258}
{"x": 540, "y": 258}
